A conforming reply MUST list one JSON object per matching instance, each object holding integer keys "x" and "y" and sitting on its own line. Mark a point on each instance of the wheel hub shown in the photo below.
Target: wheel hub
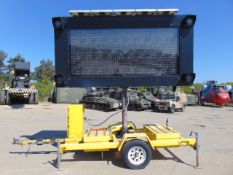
{"x": 137, "y": 155}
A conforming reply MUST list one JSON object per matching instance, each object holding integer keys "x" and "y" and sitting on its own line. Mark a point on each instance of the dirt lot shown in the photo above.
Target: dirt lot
{"x": 215, "y": 126}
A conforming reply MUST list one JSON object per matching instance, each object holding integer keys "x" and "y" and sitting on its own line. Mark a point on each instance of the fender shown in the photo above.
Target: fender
{"x": 134, "y": 136}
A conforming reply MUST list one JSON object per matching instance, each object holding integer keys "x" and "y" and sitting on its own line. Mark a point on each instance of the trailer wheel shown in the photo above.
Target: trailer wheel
{"x": 136, "y": 154}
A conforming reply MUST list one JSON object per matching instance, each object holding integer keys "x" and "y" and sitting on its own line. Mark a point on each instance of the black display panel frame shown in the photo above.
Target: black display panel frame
{"x": 63, "y": 26}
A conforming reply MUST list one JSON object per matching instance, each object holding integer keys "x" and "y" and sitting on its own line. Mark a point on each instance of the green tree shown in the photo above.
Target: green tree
{"x": 44, "y": 86}
{"x": 190, "y": 89}
{"x": 198, "y": 86}
{"x": 187, "y": 89}
{"x": 4, "y": 78}
{"x": 17, "y": 58}
{"x": 142, "y": 88}
{"x": 44, "y": 70}
{"x": 44, "y": 76}
{"x": 3, "y": 56}
{"x": 228, "y": 83}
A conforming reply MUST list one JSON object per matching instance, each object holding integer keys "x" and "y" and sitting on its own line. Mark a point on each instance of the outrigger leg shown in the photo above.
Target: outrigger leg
{"x": 58, "y": 161}
{"x": 197, "y": 147}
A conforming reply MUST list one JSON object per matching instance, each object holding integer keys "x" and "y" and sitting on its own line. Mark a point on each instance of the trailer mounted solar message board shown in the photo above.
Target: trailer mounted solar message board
{"x": 124, "y": 50}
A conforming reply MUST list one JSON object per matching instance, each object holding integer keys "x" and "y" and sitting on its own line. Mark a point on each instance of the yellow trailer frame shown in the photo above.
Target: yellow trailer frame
{"x": 105, "y": 139}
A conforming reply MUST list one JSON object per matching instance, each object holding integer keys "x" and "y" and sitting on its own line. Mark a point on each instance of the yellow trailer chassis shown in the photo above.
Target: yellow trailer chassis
{"x": 132, "y": 145}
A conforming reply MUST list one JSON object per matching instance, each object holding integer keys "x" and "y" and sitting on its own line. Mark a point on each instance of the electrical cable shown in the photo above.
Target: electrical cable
{"x": 104, "y": 120}
{"x": 124, "y": 107}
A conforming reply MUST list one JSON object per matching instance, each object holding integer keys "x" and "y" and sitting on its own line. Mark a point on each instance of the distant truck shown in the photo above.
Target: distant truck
{"x": 20, "y": 90}
{"x": 171, "y": 102}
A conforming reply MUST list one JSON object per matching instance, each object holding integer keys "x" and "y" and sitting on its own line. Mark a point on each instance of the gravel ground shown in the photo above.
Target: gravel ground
{"x": 214, "y": 124}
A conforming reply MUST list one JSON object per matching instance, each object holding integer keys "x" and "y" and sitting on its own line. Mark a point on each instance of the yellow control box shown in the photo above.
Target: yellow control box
{"x": 75, "y": 122}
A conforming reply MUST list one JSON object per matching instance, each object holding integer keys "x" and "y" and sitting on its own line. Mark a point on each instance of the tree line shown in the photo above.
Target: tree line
{"x": 43, "y": 74}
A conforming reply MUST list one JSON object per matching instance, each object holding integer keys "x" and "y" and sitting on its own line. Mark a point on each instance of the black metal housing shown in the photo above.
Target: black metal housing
{"x": 21, "y": 68}
{"x": 72, "y": 70}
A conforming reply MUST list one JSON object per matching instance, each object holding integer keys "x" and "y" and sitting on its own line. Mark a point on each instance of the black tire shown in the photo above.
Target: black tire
{"x": 200, "y": 101}
{"x": 172, "y": 109}
{"x": 88, "y": 106}
{"x": 136, "y": 154}
{"x": 156, "y": 109}
{"x": 107, "y": 108}
{"x": 31, "y": 99}
{"x": 98, "y": 107}
{"x": 183, "y": 108}
{"x": 2, "y": 97}
{"x": 130, "y": 108}
{"x": 36, "y": 98}
{"x": 93, "y": 106}
{"x": 103, "y": 108}
{"x": 8, "y": 99}
{"x": 139, "y": 107}
{"x": 133, "y": 108}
